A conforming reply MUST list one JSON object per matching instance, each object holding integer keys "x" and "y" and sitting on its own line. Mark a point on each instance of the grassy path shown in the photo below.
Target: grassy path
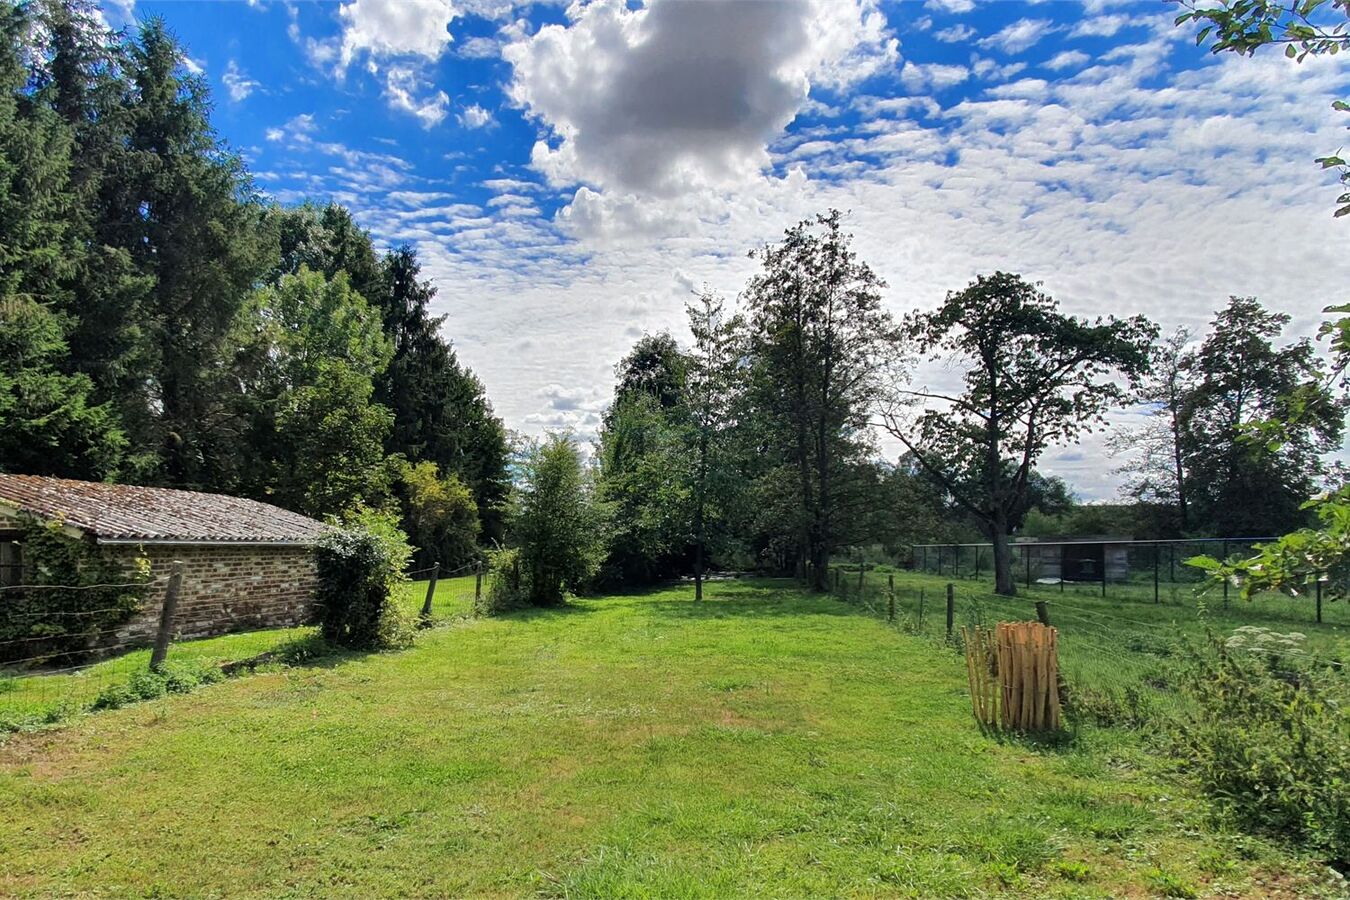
{"x": 759, "y": 743}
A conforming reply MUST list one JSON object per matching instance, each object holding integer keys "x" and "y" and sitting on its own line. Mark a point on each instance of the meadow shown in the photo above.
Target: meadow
{"x": 763, "y": 742}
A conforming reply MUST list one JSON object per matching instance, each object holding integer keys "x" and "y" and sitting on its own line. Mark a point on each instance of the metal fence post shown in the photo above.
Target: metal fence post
{"x": 1157, "y": 552}
{"x": 1043, "y": 612}
{"x": 1027, "y": 557}
{"x": 478, "y": 581}
{"x": 1319, "y": 598}
{"x": 166, "y": 614}
{"x": 1225, "y": 581}
{"x": 431, "y": 590}
{"x": 951, "y": 608}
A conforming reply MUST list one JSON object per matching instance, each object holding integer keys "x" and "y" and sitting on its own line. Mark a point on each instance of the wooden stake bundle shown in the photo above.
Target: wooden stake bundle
{"x": 1014, "y": 675}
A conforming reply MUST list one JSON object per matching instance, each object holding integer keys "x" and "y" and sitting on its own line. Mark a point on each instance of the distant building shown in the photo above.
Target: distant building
{"x": 1078, "y": 557}
{"x": 246, "y": 564}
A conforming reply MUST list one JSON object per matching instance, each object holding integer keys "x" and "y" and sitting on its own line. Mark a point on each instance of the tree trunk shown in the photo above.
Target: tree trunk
{"x": 1004, "y": 582}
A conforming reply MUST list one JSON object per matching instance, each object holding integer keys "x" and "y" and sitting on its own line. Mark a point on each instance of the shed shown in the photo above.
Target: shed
{"x": 1079, "y": 558}
{"x": 246, "y": 564}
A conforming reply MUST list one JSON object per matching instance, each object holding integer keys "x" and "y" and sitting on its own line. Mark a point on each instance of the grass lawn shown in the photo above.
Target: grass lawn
{"x": 763, "y": 742}
{"x": 40, "y": 699}
{"x": 1120, "y": 647}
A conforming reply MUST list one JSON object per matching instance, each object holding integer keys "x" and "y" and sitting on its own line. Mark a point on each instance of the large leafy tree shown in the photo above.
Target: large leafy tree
{"x": 310, "y": 351}
{"x": 818, "y": 343}
{"x": 1240, "y": 377}
{"x": 1034, "y": 378}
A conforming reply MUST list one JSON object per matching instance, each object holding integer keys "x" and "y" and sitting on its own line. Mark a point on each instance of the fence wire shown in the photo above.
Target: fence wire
{"x": 1120, "y": 656}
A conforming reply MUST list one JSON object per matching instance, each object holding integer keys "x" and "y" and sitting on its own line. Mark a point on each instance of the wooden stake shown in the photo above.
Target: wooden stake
{"x": 166, "y": 614}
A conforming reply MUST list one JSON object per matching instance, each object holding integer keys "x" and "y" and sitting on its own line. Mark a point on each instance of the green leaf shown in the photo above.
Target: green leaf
{"x": 1290, "y": 52}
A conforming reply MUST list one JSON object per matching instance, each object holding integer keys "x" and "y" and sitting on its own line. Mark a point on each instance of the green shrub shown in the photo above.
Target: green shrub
{"x": 504, "y": 591}
{"x": 59, "y": 626}
{"x": 358, "y": 568}
{"x": 1270, "y": 739}
{"x": 558, "y": 524}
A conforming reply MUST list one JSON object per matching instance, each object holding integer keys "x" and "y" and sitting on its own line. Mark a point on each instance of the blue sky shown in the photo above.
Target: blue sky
{"x": 570, "y": 174}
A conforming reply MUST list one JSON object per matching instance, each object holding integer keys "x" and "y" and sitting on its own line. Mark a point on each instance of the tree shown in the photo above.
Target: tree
{"x": 1033, "y": 378}
{"x": 442, "y": 514}
{"x": 557, "y": 526}
{"x": 711, "y": 382}
{"x": 1156, "y": 470}
{"x": 654, "y": 367}
{"x": 310, "y": 350}
{"x": 1303, "y": 27}
{"x": 818, "y": 343}
{"x": 188, "y": 217}
{"x": 441, "y": 411}
{"x": 1242, "y": 377}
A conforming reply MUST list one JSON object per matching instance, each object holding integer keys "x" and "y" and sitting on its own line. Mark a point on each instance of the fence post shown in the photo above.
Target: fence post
{"x": 1027, "y": 556}
{"x": 920, "y": 619}
{"x": 1103, "y": 570}
{"x": 1043, "y": 612}
{"x": 166, "y": 614}
{"x": 1157, "y": 552}
{"x": 890, "y": 607}
{"x": 1319, "y": 598}
{"x": 951, "y": 608}
{"x": 431, "y": 590}
{"x": 478, "y": 581}
{"x": 977, "y": 563}
{"x": 861, "y": 571}
{"x": 1225, "y": 581}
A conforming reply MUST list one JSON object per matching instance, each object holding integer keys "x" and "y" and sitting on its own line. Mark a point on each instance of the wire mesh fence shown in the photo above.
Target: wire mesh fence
{"x": 1119, "y": 655}
{"x": 47, "y": 685}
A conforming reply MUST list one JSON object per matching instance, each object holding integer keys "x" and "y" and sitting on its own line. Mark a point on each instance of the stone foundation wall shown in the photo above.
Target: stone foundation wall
{"x": 225, "y": 589}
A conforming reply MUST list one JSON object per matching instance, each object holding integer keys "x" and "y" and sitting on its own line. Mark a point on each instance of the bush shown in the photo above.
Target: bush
{"x": 504, "y": 590}
{"x": 358, "y": 568}
{"x": 1270, "y": 739}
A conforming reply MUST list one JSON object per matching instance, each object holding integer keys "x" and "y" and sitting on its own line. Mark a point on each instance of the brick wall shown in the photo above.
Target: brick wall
{"x": 226, "y": 589}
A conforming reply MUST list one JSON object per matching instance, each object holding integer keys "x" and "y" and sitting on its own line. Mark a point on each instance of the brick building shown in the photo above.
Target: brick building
{"x": 245, "y": 564}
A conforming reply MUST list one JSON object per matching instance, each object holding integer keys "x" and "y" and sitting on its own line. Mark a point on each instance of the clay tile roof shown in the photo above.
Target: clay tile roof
{"x": 124, "y": 512}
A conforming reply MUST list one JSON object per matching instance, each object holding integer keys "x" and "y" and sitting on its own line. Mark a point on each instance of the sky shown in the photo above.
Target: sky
{"x": 571, "y": 175}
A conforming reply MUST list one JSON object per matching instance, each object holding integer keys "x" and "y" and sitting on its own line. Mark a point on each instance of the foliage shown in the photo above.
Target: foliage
{"x": 358, "y": 569}
{"x": 644, "y": 482}
{"x": 818, "y": 343}
{"x": 441, "y": 514}
{"x": 174, "y": 677}
{"x": 1241, "y": 377}
{"x": 557, "y": 526}
{"x": 1270, "y": 740}
{"x": 1034, "y": 378}
{"x": 505, "y": 588}
{"x": 60, "y": 626}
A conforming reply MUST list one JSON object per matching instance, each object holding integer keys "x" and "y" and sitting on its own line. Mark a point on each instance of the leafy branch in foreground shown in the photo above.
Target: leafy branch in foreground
{"x": 1303, "y": 27}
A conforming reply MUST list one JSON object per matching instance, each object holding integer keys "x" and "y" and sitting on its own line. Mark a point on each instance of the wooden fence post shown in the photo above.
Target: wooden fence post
{"x": 478, "y": 581}
{"x": 166, "y": 614}
{"x": 431, "y": 590}
{"x": 951, "y": 608}
{"x": 1043, "y": 612}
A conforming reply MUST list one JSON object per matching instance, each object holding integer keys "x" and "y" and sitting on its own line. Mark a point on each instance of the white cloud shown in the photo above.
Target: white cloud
{"x": 395, "y": 28}
{"x": 956, "y": 7}
{"x": 475, "y": 116}
{"x": 1067, "y": 59}
{"x": 480, "y": 48}
{"x": 403, "y": 86}
{"x": 956, "y": 34}
{"x": 1100, "y": 26}
{"x": 629, "y": 108}
{"x": 1019, "y": 36}
{"x": 237, "y": 83}
{"x": 921, "y": 76}
{"x": 299, "y": 130}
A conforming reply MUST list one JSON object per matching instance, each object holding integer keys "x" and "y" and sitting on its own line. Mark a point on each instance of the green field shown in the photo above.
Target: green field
{"x": 761, "y": 743}
{"x": 35, "y": 700}
{"x": 1118, "y": 650}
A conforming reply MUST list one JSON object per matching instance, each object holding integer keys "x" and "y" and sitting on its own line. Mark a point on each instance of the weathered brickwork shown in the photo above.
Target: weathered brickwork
{"x": 226, "y": 589}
